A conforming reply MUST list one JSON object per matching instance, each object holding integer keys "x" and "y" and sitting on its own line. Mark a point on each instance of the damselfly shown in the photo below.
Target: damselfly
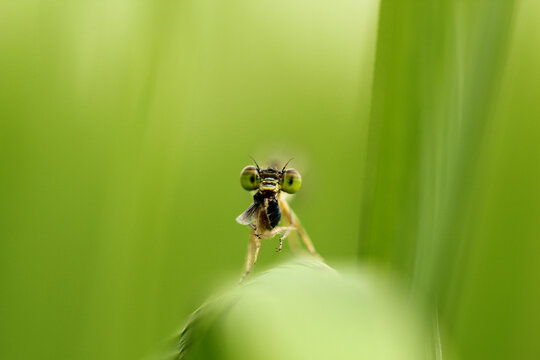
{"x": 269, "y": 207}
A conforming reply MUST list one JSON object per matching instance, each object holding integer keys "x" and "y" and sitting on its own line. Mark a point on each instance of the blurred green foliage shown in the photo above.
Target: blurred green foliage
{"x": 124, "y": 126}
{"x": 306, "y": 310}
{"x": 453, "y": 167}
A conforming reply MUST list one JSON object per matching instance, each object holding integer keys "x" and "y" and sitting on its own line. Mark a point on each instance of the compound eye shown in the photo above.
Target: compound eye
{"x": 249, "y": 178}
{"x": 291, "y": 181}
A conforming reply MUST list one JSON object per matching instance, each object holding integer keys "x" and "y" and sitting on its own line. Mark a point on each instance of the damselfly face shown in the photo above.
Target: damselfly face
{"x": 270, "y": 180}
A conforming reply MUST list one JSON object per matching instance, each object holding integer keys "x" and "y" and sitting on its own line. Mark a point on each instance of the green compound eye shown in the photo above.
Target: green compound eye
{"x": 249, "y": 178}
{"x": 291, "y": 181}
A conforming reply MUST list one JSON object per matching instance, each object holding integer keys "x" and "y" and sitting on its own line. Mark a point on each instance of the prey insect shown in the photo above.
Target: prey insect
{"x": 269, "y": 207}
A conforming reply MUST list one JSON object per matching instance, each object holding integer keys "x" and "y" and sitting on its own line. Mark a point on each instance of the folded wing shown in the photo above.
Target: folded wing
{"x": 247, "y": 216}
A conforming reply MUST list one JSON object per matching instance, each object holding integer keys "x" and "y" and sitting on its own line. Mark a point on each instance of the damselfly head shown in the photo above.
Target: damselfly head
{"x": 270, "y": 179}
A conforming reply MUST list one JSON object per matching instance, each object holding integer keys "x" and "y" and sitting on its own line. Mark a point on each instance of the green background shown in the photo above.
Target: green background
{"x": 124, "y": 126}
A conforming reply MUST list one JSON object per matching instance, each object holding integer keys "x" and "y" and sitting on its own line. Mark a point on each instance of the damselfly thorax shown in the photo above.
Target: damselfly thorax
{"x": 268, "y": 213}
